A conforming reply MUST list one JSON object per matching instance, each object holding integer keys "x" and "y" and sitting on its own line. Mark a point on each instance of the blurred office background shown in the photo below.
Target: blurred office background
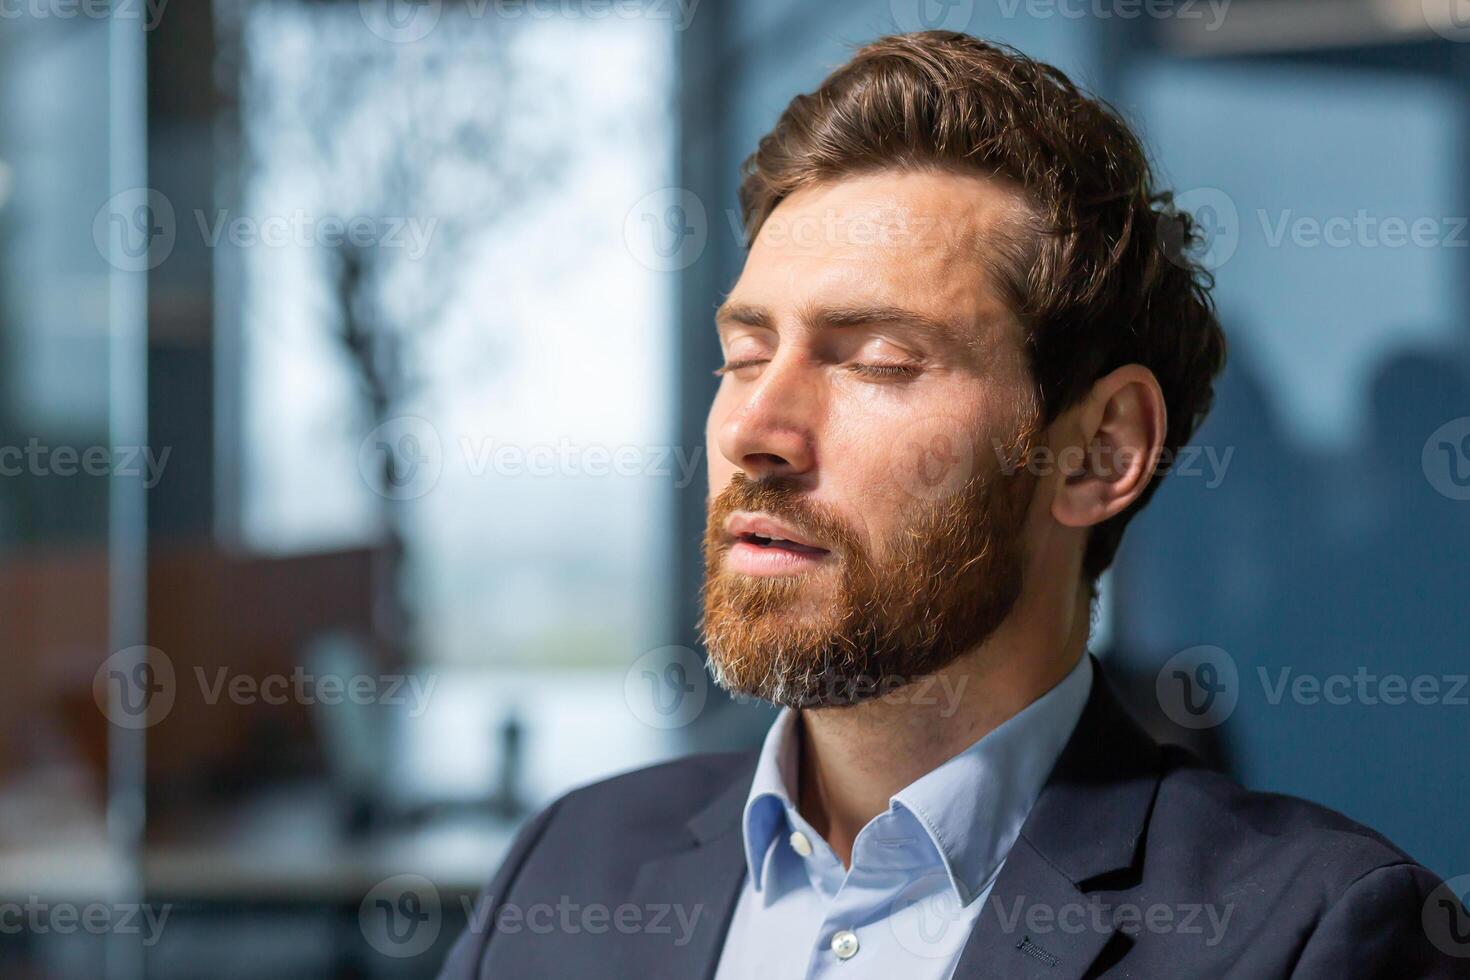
{"x": 355, "y": 360}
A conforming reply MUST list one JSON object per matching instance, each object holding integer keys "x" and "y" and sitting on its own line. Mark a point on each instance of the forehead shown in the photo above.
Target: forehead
{"x": 924, "y": 241}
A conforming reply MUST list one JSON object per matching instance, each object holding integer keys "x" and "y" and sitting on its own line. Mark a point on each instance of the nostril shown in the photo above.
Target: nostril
{"x": 766, "y": 459}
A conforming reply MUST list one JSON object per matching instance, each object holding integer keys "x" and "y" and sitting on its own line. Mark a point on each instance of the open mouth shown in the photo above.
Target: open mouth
{"x": 783, "y": 544}
{"x": 762, "y": 546}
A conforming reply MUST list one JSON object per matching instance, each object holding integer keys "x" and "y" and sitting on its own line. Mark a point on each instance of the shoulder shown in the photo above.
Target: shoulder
{"x": 690, "y": 774}
{"x": 670, "y": 793}
{"x": 1223, "y": 829}
{"x": 587, "y": 848}
{"x": 630, "y": 817}
{"x": 1204, "y": 802}
{"x": 1288, "y": 887}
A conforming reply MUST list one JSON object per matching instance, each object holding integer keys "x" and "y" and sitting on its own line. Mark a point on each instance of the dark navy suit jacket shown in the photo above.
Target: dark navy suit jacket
{"x": 1130, "y": 858}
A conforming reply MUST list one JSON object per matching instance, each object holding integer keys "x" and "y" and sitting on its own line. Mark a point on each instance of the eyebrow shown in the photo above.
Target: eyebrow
{"x": 840, "y": 316}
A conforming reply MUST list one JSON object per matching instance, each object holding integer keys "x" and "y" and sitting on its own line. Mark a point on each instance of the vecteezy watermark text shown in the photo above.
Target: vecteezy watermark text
{"x": 568, "y": 459}
{"x": 403, "y": 915}
{"x": 149, "y": 11}
{"x": 1201, "y": 686}
{"x": 37, "y": 917}
{"x": 1095, "y": 915}
{"x": 1363, "y": 229}
{"x": 1209, "y": 462}
{"x": 301, "y": 230}
{"x": 1364, "y": 686}
{"x": 566, "y": 917}
{"x": 40, "y": 460}
{"x": 1210, "y": 12}
{"x": 136, "y": 688}
{"x": 409, "y": 21}
{"x": 304, "y": 687}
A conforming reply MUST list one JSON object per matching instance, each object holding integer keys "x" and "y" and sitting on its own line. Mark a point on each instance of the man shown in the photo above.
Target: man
{"x": 967, "y": 328}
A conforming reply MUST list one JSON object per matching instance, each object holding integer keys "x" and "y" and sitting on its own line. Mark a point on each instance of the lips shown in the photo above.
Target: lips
{"x": 764, "y": 546}
{"x": 765, "y": 532}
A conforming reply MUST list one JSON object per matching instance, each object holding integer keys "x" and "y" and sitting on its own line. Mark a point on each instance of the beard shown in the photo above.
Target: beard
{"x": 880, "y": 619}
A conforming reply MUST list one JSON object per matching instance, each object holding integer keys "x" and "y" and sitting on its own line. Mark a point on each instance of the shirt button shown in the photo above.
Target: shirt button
{"x": 845, "y": 944}
{"x": 800, "y": 844}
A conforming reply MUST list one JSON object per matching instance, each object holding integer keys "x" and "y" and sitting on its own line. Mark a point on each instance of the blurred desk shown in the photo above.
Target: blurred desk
{"x": 79, "y": 871}
{"x": 281, "y": 848}
{"x": 287, "y": 847}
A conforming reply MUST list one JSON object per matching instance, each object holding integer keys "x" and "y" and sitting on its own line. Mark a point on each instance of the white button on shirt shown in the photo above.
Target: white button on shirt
{"x": 845, "y": 944}
{"x": 921, "y": 870}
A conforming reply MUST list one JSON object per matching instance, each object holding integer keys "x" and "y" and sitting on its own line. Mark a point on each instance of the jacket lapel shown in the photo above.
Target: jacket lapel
{"x": 1040, "y": 919}
{"x": 703, "y": 877}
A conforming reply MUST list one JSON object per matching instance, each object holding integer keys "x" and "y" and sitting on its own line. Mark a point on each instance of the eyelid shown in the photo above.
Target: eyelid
{"x": 744, "y": 345}
{"x": 869, "y": 370}
{"x": 883, "y": 345}
{"x": 730, "y": 366}
{"x": 886, "y": 370}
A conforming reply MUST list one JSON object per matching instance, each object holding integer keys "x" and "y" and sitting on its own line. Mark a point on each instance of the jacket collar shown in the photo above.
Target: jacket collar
{"x": 1092, "y": 814}
{"x": 1085, "y": 831}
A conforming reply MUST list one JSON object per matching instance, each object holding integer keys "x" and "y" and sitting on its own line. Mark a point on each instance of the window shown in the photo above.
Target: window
{"x": 421, "y": 267}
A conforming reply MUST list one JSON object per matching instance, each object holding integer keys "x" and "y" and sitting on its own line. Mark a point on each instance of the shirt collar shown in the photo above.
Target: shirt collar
{"x": 971, "y": 807}
{"x": 766, "y": 806}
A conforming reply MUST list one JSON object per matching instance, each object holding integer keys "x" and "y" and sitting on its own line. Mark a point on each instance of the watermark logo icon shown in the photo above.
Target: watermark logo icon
{"x": 933, "y": 457}
{"x": 135, "y": 229}
{"x": 667, "y": 687}
{"x": 1450, "y": 19}
{"x": 1216, "y": 229}
{"x": 923, "y": 915}
{"x": 1446, "y": 459}
{"x": 135, "y": 687}
{"x": 667, "y": 229}
{"x": 403, "y": 458}
{"x": 401, "y": 916}
{"x": 932, "y": 15}
{"x": 1198, "y": 687}
{"x": 401, "y": 21}
{"x": 1446, "y": 917}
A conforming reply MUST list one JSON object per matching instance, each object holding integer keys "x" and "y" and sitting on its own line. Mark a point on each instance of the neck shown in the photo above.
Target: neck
{"x": 855, "y": 758}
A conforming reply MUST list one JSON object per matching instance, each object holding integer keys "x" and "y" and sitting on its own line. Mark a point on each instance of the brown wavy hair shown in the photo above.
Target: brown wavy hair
{"x": 1101, "y": 275}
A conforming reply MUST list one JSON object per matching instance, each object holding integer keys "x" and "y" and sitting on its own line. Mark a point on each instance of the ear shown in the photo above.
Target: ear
{"x": 1110, "y": 448}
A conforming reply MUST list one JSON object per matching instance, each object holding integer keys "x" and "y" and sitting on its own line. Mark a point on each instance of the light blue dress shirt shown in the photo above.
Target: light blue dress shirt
{"x": 921, "y": 870}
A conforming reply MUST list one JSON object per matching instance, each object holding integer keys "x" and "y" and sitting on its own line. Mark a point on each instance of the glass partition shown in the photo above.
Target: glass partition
{"x": 77, "y": 234}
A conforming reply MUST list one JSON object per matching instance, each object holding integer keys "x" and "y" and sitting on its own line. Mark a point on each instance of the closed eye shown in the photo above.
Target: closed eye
{"x": 731, "y": 366}
{"x": 893, "y": 371}
{"x": 885, "y": 370}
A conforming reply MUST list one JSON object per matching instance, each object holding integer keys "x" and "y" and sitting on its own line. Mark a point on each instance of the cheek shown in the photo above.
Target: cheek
{"x": 858, "y": 471}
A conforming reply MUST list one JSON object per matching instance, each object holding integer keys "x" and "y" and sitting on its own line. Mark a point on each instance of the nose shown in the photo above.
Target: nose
{"x": 770, "y": 431}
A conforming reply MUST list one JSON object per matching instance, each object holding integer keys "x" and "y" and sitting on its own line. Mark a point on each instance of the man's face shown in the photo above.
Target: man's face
{"x": 874, "y": 390}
